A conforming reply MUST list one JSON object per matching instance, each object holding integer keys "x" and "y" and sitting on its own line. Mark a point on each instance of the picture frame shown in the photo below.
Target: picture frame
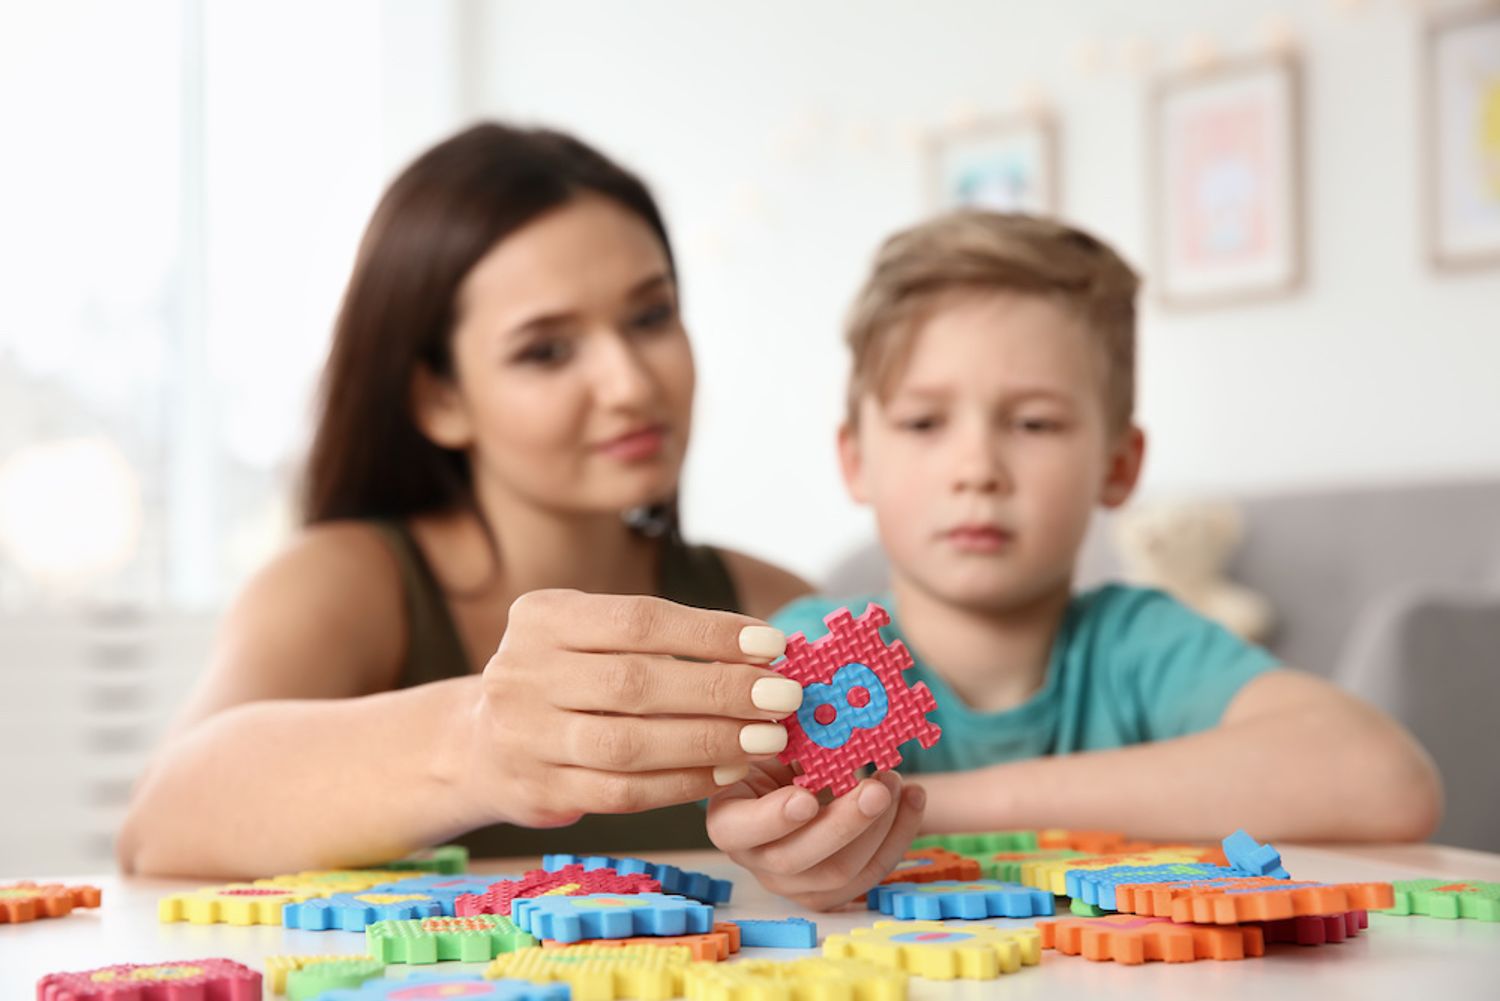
{"x": 1461, "y": 84}
{"x": 1005, "y": 164}
{"x": 1227, "y": 184}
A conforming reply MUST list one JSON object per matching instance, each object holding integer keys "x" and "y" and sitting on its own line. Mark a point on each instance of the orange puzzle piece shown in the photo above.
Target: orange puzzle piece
{"x": 1134, "y": 940}
{"x": 928, "y": 865}
{"x": 1254, "y": 898}
{"x": 29, "y": 901}
{"x": 712, "y": 947}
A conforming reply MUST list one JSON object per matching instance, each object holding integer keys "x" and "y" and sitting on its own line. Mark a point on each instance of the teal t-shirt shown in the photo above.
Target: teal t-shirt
{"x": 1129, "y": 665}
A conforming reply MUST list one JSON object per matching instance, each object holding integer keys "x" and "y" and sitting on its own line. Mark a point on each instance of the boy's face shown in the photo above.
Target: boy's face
{"x": 986, "y": 460}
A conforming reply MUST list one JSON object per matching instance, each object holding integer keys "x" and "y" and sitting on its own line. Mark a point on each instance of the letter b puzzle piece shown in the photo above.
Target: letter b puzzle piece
{"x": 1132, "y": 940}
{"x": 856, "y": 706}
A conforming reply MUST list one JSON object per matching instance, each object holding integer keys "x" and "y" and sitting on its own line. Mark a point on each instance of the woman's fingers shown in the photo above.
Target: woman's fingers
{"x": 608, "y": 623}
{"x": 592, "y": 791}
{"x": 647, "y": 685}
{"x": 633, "y": 744}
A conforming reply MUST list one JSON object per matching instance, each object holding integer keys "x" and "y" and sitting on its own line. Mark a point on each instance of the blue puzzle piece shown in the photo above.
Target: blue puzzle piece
{"x": 693, "y": 885}
{"x": 949, "y": 898}
{"x": 354, "y": 911}
{"x": 445, "y": 889}
{"x": 789, "y": 933}
{"x": 611, "y": 915}
{"x": 854, "y": 700}
{"x": 445, "y": 987}
{"x": 1097, "y": 886}
{"x": 1244, "y": 852}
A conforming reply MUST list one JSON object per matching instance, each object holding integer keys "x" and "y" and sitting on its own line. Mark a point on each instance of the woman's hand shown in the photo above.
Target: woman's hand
{"x": 818, "y": 857}
{"x": 589, "y": 706}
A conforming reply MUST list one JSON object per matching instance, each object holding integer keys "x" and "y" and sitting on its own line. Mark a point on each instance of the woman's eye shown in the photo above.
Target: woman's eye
{"x": 654, "y": 317}
{"x": 547, "y": 353}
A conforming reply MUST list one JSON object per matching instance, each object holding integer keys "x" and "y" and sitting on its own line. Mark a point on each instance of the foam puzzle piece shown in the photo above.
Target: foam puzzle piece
{"x": 317, "y": 979}
{"x": 279, "y": 969}
{"x": 645, "y": 973}
{"x": 788, "y": 933}
{"x": 1097, "y": 886}
{"x": 981, "y": 844}
{"x": 1441, "y": 898}
{"x": 1083, "y": 909}
{"x": 1247, "y": 854}
{"x": 699, "y": 886}
{"x": 976, "y": 900}
{"x": 234, "y": 904}
{"x": 1006, "y": 866}
{"x": 191, "y": 980}
{"x": 1052, "y": 874}
{"x": 856, "y": 706}
{"x": 355, "y": 911}
{"x": 444, "y": 987}
{"x": 611, "y": 915}
{"x": 330, "y": 881}
{"x": 1134, "y": 940}
{"x": 477, "y": 939}
{"x": 794, "y": 980}
{"x": 1316, "y": 929}
{"x": 27, "y": 901}
{"x": 936, "y": 951}
{"x": 928, "y": 865}
{"x": 1092, "y": 842}
{"x": 445, "y": 889}
{"x": 1252, "y": 898}
{"x": 444, "y": 860}
{"x": 713, "y": 946}
{"x": 570, "y": 880}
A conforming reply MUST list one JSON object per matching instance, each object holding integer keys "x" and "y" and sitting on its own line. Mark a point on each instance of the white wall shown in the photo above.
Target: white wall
{"x": 778, "y": 134}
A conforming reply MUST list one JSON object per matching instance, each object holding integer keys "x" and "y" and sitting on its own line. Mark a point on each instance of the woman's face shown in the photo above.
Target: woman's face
{"x": 573, "y": 384}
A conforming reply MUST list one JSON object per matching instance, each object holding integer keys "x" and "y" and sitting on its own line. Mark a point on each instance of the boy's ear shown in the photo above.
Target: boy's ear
{"x": 1124, "y": 469}
{"x": 852, "y": 463}
{"x": 439, "y": 411}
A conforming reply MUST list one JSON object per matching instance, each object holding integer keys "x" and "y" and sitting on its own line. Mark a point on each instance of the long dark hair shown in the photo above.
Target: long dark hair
{"x": 436, "y": 220}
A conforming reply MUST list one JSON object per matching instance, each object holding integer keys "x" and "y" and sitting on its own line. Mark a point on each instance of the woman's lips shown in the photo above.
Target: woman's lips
{"x": 978, "y": 538}
{"x": 635, "y": 446}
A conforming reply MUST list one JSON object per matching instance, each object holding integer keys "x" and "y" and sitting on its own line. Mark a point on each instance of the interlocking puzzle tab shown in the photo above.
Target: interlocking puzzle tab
{"x": 946, "y": 899}
{"x": 478, "y": 939}
{"x": 1253, "y": 898}
{"x": 856, "y": 706}
{"x": 1254, "y": 858}
{"x": 441, "y": 987}
{"x": 1438, "y": 898}
{"x": 713, "y": 946}
{"x": 699, "y": 886}
{"x": 928, "y": 865}
{"x": 607, "y": 915}
{"x": 788, "y": 933}
{"x": 640, "y": 972}
{"x": 938, "y": 952}
{"x": 798, "y": 979}
{"x": 29, "y": 901}
{"x": 570, "y": 880}
{"x": 1134, "y": 940}
{"x": 218, "y": 979}
{"x": 1316, "y": 929}
{"x": 355, "y": 911}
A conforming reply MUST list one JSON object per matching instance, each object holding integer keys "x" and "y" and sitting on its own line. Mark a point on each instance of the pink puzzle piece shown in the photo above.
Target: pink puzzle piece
{"x": 856, "y": 706}
{"x": 194, "y": 980}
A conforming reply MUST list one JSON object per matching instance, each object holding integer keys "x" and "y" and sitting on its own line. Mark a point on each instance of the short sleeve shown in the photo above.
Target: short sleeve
{"x": 1178, "y": 669}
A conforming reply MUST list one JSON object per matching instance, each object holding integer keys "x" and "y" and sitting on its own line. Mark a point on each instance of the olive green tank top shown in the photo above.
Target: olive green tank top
{"x": 690, "y": 575}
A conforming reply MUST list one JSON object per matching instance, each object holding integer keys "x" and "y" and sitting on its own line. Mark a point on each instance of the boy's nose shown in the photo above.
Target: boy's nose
{"x": 980, "y": 470}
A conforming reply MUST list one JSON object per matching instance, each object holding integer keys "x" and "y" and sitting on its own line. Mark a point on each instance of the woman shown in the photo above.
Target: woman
{"x": 509, "y": 374}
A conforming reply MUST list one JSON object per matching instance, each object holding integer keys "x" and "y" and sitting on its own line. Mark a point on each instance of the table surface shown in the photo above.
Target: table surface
{"x": 1393, "y": 958}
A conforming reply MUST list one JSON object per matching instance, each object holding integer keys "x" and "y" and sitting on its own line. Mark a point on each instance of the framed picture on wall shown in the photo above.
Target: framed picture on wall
{"x": 1463, "y": 139}
{"x": 1005, "y": 164}
{"x": 1227, "y": 184}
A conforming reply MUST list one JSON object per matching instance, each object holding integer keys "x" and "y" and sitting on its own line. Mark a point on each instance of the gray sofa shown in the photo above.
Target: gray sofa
{"x": 1392, "y": 592}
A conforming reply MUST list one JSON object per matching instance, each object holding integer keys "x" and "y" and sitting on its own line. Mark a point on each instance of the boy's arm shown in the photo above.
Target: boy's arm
{"x": 1292, "y": 758}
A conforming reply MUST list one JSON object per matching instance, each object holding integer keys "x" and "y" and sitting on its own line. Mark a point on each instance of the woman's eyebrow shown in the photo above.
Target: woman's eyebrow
{"x": 657, "y": 282}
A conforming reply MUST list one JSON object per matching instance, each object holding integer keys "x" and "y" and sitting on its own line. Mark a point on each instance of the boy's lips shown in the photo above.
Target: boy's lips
{"x": 978, "y": 538}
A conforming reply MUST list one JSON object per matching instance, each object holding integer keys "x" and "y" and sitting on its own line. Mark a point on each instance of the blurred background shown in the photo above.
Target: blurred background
{"x": 183, "y": 184}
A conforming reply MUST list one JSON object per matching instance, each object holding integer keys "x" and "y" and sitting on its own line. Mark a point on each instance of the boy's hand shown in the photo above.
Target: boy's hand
{"x": 817, "y": 856}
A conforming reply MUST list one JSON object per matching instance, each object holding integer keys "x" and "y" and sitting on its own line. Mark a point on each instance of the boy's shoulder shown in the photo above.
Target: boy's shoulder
{"x": 806, "y": 615}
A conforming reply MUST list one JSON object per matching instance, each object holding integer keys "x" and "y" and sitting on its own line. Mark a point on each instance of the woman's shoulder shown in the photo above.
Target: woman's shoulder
{"x": 763, "y": 587}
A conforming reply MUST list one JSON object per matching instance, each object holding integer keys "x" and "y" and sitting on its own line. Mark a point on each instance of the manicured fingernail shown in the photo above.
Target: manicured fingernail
{"x": 728, "y": 775}
{"x": 873, "y": 799}
{"x": 763, "y": 738}
{"x": 762, "y": 642}
{"x": 916, "y": 797}
{"x": 802, "y": 808}
{"x": 777, "y": 695}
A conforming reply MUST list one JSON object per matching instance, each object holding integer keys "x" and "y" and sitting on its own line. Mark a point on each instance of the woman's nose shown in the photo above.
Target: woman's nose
{"x": 621, "y": 376}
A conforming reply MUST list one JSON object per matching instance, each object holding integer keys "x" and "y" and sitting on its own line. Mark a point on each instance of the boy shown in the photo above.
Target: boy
{"x": 990, "y": 410}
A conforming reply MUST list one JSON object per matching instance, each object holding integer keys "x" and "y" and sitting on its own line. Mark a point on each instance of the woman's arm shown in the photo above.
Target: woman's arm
{"x": 1293, "y": 758}
{"x": 763, "y": 587}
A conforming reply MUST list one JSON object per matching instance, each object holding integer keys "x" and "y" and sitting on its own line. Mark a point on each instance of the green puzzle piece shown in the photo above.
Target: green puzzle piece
{"x": 316, "y": 979}
{"x": 1445, "y": 898}
{"x": 444, "y": 860}
{"x": 980, "y": 847}
{"x": 476, "y": 939}
{"x": 1083, "y": 909}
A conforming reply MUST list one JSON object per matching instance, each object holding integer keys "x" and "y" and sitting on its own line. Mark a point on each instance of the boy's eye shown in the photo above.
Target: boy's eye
{"x": 547, "y": 353}
{"x": 1038, "y": 425}
{"x": 919, "y": 424}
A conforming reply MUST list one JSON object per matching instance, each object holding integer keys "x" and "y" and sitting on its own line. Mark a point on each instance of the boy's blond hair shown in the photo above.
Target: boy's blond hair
{"x": 974, "y": 251}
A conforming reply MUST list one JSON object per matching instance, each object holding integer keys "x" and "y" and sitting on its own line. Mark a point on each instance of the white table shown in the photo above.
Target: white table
{"x": 1406, "y": 958}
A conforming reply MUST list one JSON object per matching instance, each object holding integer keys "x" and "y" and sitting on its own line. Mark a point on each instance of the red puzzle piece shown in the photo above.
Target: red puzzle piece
{"x": 193, "y": 980}
{"x": 856, "y": 709}
{"x": 569, "y": 881}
